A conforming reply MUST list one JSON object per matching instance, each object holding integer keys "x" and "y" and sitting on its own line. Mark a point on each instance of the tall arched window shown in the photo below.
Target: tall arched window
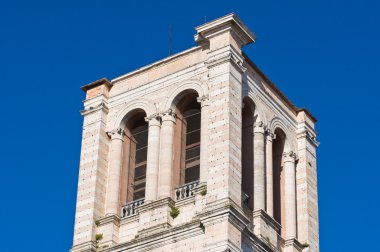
{"x": 192, "y": 120}
{"x": 247, "y": 153}
{"x": 187, "y": 140}
{"x": 135, "y": 158}
{"x": 278, "y": 177}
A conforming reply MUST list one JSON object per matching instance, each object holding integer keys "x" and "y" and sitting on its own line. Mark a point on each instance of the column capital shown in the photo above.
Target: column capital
{"x": 290, "y": 156}
{"x": 153, "y": 120}
{"x": 259, "y": 127}
{"x": 168, "y": 115}
{"x": 204, "y": 101}
{"x": 116, "y": 134}
{"x": 270, "y": 136}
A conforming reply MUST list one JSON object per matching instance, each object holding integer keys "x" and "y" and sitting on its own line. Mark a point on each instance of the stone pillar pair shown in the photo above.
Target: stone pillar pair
{"x": 263, "y": 178}
{"x": 115, "y": 165}
{"x": 167, "y": 143}
{"x": 159, "y": 158}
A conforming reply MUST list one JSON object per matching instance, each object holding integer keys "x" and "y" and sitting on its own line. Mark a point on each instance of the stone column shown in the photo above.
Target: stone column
{"x": 166, "y": 154}
{"x": 290, "y": 195}
{"x": 269, "y": 171}
{"x": 152, "y": 165}
{"x": 204, "y": 101}
{"x": 114, "y": 172}
{"x": 259, "y": 166}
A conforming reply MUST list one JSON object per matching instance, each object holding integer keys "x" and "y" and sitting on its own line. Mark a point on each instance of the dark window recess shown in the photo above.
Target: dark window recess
{"x": 192, "y": 151}
{"x": 140, "y": 137}
{"x": 192, "y": 174}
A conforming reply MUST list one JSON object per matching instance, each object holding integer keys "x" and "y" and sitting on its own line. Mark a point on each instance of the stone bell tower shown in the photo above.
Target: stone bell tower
{"x": 197, "y": 152}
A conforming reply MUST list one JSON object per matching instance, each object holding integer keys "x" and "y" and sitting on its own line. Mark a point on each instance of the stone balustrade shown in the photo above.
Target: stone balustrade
{"x": 186, "y": 190}
{"x": 131, "y": 208}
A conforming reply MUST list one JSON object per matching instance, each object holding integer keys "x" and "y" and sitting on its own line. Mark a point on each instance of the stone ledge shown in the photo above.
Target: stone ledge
{"x": 84, "y": 247}
{"x": 159, "y": 239}
{"x": 114, "y": 219}
{"x": 292, "y": 245}
{"x": 268, "y": 219}
{"x": 156, "y": 204}
{"x": 224, "y": 208}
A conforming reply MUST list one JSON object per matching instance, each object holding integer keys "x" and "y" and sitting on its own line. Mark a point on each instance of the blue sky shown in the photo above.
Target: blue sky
{"x": 322, "y": 54}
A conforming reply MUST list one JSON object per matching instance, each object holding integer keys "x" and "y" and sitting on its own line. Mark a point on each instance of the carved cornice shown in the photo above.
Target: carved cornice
{"x": 224, "y": 55}
{"x": 101, "y": 106}
{"x": 309, "y": 136}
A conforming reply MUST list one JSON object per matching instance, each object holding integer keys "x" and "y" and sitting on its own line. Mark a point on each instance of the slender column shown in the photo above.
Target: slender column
{"x": 114, "y": 172}
{"x": 166, "y": 154}
{"x": 258, "y": 166}
{"x": 290, "y": 194}
{"x": 269, "y": 171}
{"x": 152, "y": 165}
{"x": 204, "y": 101}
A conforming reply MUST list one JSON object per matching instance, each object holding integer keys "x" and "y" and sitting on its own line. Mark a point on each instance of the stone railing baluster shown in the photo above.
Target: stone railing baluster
{"x": 186, "y": 190}
{"x": 131, "y": 208}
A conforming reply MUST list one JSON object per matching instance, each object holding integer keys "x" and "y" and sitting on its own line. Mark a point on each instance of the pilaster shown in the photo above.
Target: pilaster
{"x": 306, "y": 182}
{"x": 92, "y": 180}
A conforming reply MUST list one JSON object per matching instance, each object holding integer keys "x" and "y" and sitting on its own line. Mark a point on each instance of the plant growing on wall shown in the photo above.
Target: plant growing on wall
{"x": 174, "y": 212}
{"x": 98, "y": 238}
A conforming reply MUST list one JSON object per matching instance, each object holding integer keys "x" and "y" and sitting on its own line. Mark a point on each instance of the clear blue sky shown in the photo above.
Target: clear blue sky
{"x": 323, "y": 54}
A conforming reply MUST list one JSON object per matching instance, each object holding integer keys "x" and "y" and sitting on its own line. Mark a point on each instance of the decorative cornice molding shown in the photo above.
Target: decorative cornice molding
{"x": 309, "y": 136}
{"x": 101, "y": 106}
{"x": 224, "y": 55}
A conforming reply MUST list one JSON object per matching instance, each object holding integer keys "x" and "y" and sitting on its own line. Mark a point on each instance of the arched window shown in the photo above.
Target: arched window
{"x": 187, "y": 140}
{"x": 135, "y": 158}
{"x": 278, "y": 177}
{"x": 247, "y": 153}
{"x": 192, "y": 120}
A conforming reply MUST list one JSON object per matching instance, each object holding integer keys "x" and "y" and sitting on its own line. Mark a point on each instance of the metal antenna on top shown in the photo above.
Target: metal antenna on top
{"x": 170, "y": 40}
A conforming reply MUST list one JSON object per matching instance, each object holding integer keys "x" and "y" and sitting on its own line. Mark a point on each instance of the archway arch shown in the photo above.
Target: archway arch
{"x": 177, "y": 93}
{"x": 130, "y": 108}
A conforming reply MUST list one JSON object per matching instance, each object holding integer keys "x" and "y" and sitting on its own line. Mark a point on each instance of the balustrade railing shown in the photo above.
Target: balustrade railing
{"x": 186, "y": 190}
{"x": 131, "y": 208}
